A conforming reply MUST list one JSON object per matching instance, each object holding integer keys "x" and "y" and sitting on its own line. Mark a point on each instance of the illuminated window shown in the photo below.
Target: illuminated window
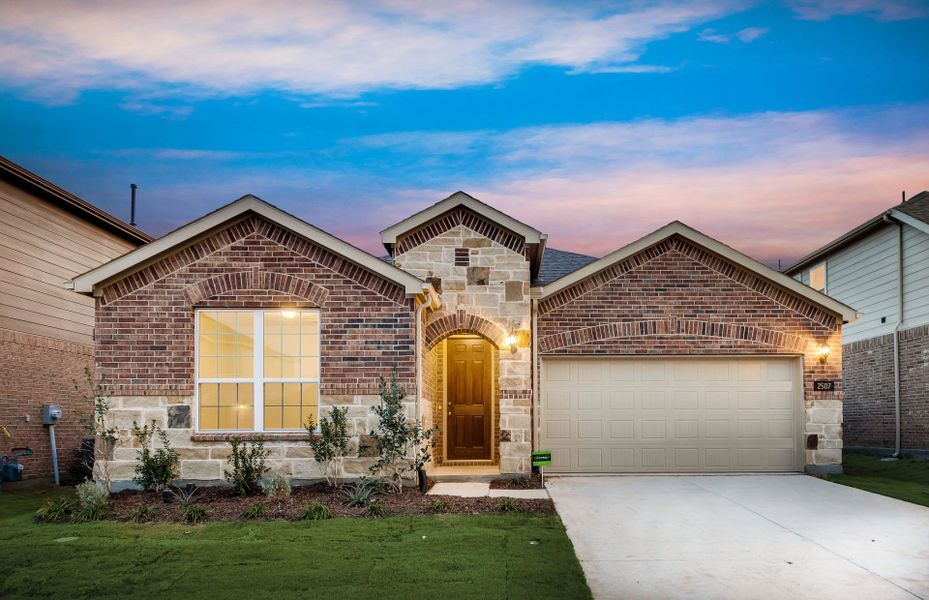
{"x": 244, "y": 386}
{"x": 818, "y": 277}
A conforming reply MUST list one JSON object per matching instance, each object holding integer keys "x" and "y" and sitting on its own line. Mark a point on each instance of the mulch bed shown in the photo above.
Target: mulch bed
{"x": 518, "y": 483}
{"x": 224, "y": 505}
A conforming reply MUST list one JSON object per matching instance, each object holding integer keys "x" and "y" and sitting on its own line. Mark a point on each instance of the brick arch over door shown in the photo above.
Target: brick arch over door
{"x": 677, "y": 327}
{"x": 462, "y": 322}
{"x": 256, "y": 280}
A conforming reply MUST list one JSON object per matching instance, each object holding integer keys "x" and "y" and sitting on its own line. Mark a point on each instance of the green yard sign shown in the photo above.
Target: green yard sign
{"x": 542, "y": 458}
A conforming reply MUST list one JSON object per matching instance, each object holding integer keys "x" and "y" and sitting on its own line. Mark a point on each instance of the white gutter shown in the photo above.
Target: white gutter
{"x": 899, "y": 324}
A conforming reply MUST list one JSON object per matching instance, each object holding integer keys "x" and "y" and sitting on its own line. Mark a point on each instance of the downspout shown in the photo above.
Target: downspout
{"x": 899, "y": 324}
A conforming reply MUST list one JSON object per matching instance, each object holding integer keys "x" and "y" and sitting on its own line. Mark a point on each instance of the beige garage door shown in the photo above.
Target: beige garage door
{"x": 615, "y": 415}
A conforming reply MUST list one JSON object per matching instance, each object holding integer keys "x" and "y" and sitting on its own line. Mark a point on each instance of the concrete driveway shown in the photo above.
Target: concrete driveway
{"x": 742, "y": 536}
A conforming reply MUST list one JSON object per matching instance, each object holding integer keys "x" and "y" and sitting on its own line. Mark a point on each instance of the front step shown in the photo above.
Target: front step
{"x": 477, "y": 474}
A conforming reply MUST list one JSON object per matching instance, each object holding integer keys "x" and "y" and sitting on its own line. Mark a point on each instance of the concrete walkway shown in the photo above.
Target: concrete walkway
{"x": 479, "y": 489}
{"x": 743, "y": 536}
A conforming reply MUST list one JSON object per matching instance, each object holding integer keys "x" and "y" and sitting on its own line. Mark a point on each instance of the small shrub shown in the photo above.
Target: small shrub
{"x": 194, "y": 513}
{"x": 55, "y": 510}
{"x": 155, "y": 469}
{"x": 256, "y": 510}
{"x": 330, "y": 444}
{"x": 91, "y": 500}
{"x": 506, "y": 505}
{"x": 277, "y": 487}
{"x": 184, "y": 495}
{"x": 438, "y": 506}
{"x": 87, "y": 514}
{"x": 247, "y": 462}
{"x": 374, "y": 511}
{"x": 361, "y": 493}
{"x": 315, "y": 511}
{"x": 141, "y": 513}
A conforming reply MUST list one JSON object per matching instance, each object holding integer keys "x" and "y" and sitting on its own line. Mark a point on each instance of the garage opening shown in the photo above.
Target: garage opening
{"x": 682, "y": 414}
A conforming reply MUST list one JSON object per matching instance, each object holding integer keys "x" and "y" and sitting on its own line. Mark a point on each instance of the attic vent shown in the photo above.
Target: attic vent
{"x": 462, "y": 257}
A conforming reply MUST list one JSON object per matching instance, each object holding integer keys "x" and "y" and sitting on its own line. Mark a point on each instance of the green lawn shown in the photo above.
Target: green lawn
{"x": 495, "y": 556}
{"x": 906, "y": 479}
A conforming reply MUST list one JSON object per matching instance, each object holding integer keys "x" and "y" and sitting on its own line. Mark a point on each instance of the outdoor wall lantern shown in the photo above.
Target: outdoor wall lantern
{"x": 510, "y": 342}
{"x": 823, "y": 354}
{"x": 516, "y": 339}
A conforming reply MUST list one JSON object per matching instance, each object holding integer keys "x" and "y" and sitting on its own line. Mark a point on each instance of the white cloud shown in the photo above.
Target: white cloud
{"x": 747, "y": 35}
{"x": 884, "y": 10}
{"x": 332, "y": 49}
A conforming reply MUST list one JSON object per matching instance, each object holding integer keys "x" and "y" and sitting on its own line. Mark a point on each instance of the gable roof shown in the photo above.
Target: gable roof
{"x": 558, "y": 263}
{"x": 29, "y": 181}
{"x": 913, "y": 212}
{"x": 89, "y": 282}
{"x": 389, "y": 235}
{"x": 847, "y": 313}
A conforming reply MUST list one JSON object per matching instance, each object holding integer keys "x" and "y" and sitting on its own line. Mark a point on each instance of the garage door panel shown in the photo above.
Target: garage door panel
{"x": 557, "y": 429}
{"x": 587, "y": 430}
{"x": 685, "y": 414}
{"x": 622, "y": 430}
{"x": 590, "y": 372}
{"x": 622, "y": 458}
{"x": 686, "y": 429}
{"x": 590, "y": 400}
{"x": 652, "y": 399}
{"x": 686, "y": 458}
{"x": 717, "y": 400}
{"x": 686, "y": 399}
{"x": 590, "y": 458}
{"x": 622, "y": 399}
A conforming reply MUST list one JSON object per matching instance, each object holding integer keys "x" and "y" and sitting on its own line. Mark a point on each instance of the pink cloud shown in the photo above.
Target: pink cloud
{"x": 773, "y": 185}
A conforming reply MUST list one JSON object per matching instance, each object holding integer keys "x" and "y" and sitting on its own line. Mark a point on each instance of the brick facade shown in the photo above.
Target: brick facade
{"x": 35, "y": 371}
{"x": 145, "y": 323}
{"x": 145, "y": 337}
{"x": 868, "y": 372}
{"x": 675, "y": 298}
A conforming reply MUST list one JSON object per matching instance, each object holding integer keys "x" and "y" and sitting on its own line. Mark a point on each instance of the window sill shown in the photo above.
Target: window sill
{"x": 268, "y": 436}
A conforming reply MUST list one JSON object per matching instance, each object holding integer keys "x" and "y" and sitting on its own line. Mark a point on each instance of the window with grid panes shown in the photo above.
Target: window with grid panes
{"x": 272, "y": 385}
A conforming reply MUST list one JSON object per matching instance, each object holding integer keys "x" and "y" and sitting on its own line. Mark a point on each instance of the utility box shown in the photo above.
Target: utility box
{"x": 51, "y": 414}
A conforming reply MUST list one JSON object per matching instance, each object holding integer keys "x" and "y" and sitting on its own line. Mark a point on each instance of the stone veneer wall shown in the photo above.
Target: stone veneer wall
{"x": 145, "y": 341}
{"x": 868, "y": 371}
{"x": 484, "y": 287}
{"x": 677, "y": 299}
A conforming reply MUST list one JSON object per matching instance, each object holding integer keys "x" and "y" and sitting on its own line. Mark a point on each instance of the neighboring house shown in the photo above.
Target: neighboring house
{"x": 47, "y": 236}
{"x": 882, "y": 269}
{"x": 674, "y": 353}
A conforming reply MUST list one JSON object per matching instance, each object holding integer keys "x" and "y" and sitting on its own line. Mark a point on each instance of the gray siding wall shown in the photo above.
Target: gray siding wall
{"x": 864, "y": 276}
{"x": 915, "y": 277}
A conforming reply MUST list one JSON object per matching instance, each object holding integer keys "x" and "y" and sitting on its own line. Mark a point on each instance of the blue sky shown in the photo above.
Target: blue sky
{"x": 771, "y": 126}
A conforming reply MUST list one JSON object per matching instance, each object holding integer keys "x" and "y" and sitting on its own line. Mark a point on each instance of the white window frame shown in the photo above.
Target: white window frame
{"x": 257, "y": 380}
{"x": 825, "y": 277}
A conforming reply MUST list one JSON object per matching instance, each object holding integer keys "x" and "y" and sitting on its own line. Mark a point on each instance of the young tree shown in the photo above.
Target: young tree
{"x": 106, "y": 435}
{"x": 330, "y": 444}
{"x": 403, "y": 446}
